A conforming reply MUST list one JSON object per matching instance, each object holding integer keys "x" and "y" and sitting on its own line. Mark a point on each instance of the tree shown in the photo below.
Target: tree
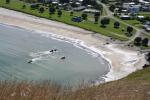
{"x": 138, "y": 41}
{"x": 71, "y": 13}
{"x": 42, "y": 1}
{"x": 85, "y": 2}
{"x": 107, "y": 20}
{"x": 129, "y": 29}
{"x": 7, "y": 1}
{"x": 105, "y": 1}
{"x": 34, "y": 6}
{"x": 96, "y": 17}
{"x": 147, "y": 18}
{"x": 41, "y": 10}
{"x": 23, "y": 6}
{"x": 103, "y": 23}
{"x": 64, "y": 1}
{"x": 145, "y": 42}
{"x": 84, "y": 16}
{"x": 112, "y": 7}
{"x": 116, "y": 24}
{"x": 51, "y": 10}
{"x": 59, "y": 13}
{"x": 148, "y": 57}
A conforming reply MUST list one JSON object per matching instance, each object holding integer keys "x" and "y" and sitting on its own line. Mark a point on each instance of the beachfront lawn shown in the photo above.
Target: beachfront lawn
{"x": 145, "y": 14}
{"x": 66, "y": 18}
{"x": 132, "y": 22}
{"x": 135, "y": 23}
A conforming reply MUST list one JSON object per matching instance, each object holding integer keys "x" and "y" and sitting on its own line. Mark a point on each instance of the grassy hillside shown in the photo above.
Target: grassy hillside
{"x": 134, "y": 87}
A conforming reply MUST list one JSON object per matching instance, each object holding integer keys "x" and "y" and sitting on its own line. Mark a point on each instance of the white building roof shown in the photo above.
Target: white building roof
{"x": 91, "y": 10}
{"x": 140, "y": 16}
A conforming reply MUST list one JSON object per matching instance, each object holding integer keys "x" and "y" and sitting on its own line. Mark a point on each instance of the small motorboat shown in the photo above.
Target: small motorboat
{"x": 63, "y": 58}
{"x": 55, "y": 50}
{"x": 30, "y": 61}
{"x": 51, "y": 51}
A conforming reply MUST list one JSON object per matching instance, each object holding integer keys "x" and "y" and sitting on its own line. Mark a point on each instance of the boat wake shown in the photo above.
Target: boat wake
{"x": 45, "y": 55}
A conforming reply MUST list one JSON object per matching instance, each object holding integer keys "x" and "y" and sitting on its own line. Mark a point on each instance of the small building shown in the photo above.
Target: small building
{"x": 79, "y": 8}
{"x": 89, "y": 6}
{"x": 145, "y": 8}
{"x": 144, "y": 2}
{"x": 125, "y": 17}
{"x": 78, "y": 4}
{"x": 55, "y": 2}
{"x": 140, "y": 17}
{"x": 127, "y": 5}
{"x": 134, "y": 9}
{"x": 91, "y": 11}
{"x": 147, "y": 26}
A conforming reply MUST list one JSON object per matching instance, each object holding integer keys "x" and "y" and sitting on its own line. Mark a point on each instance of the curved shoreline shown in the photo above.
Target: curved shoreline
{"x": 123, "y": 62}
{"x": 75, "y": 42}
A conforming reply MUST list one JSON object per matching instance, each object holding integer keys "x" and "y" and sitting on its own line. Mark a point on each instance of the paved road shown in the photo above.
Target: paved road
{"x": 110, "y": 15}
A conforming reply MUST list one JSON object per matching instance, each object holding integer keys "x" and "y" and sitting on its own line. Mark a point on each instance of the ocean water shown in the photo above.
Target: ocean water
{"x": 18, "y": 46}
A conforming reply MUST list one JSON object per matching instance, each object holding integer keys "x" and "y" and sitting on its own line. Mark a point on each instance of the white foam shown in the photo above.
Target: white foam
{"x": 36, "y": 59}
{"x": 38, "y": 54}
{"x": 89, "y": 49}
{"x": 76, "y": 42}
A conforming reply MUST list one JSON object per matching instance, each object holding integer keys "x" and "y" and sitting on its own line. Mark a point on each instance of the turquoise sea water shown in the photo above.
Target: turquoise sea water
{"x": 18, "y": 46}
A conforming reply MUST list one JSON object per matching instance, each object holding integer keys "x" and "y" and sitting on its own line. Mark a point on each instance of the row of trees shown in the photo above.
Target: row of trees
{"x": 141, "y": 42}
{"x": 104, "y": 22}
{"x": 52, "y": 10}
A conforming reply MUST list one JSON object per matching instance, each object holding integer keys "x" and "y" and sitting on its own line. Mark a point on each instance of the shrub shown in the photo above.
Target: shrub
{"x": 84, "y": 16}
{"x": 138, "y": 41}
{"x": 41, "y": 10}
{"x": 116, "y": 24}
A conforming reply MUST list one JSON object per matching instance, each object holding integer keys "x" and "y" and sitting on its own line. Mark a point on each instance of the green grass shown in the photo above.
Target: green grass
{"x": 132, "y": 22}
{"x": 135, "y": 23}
{"x": 66, "y": 18}
{"x": 146, "y": 14}
{"x": 141, "y": 75}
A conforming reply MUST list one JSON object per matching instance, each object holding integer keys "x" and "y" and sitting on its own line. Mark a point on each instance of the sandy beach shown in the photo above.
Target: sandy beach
{"x": 123, "y": 60}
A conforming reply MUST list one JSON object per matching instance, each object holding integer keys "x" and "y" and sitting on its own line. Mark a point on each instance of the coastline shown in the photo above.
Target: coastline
{"x": 123, "y": 61}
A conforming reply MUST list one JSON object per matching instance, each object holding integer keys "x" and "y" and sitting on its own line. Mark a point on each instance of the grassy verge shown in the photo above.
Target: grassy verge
{"x": 66, "y": 18}
{"x": 146, "y": 14}
{"x": 134, "y": 87}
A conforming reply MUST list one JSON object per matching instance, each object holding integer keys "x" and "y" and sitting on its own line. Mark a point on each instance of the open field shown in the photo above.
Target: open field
{"x": 66, "y": 18}
{"x": 134, "y": 87}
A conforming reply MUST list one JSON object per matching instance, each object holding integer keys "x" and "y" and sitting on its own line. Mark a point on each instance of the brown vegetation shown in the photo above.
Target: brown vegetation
{"x": 134, "y": 87}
